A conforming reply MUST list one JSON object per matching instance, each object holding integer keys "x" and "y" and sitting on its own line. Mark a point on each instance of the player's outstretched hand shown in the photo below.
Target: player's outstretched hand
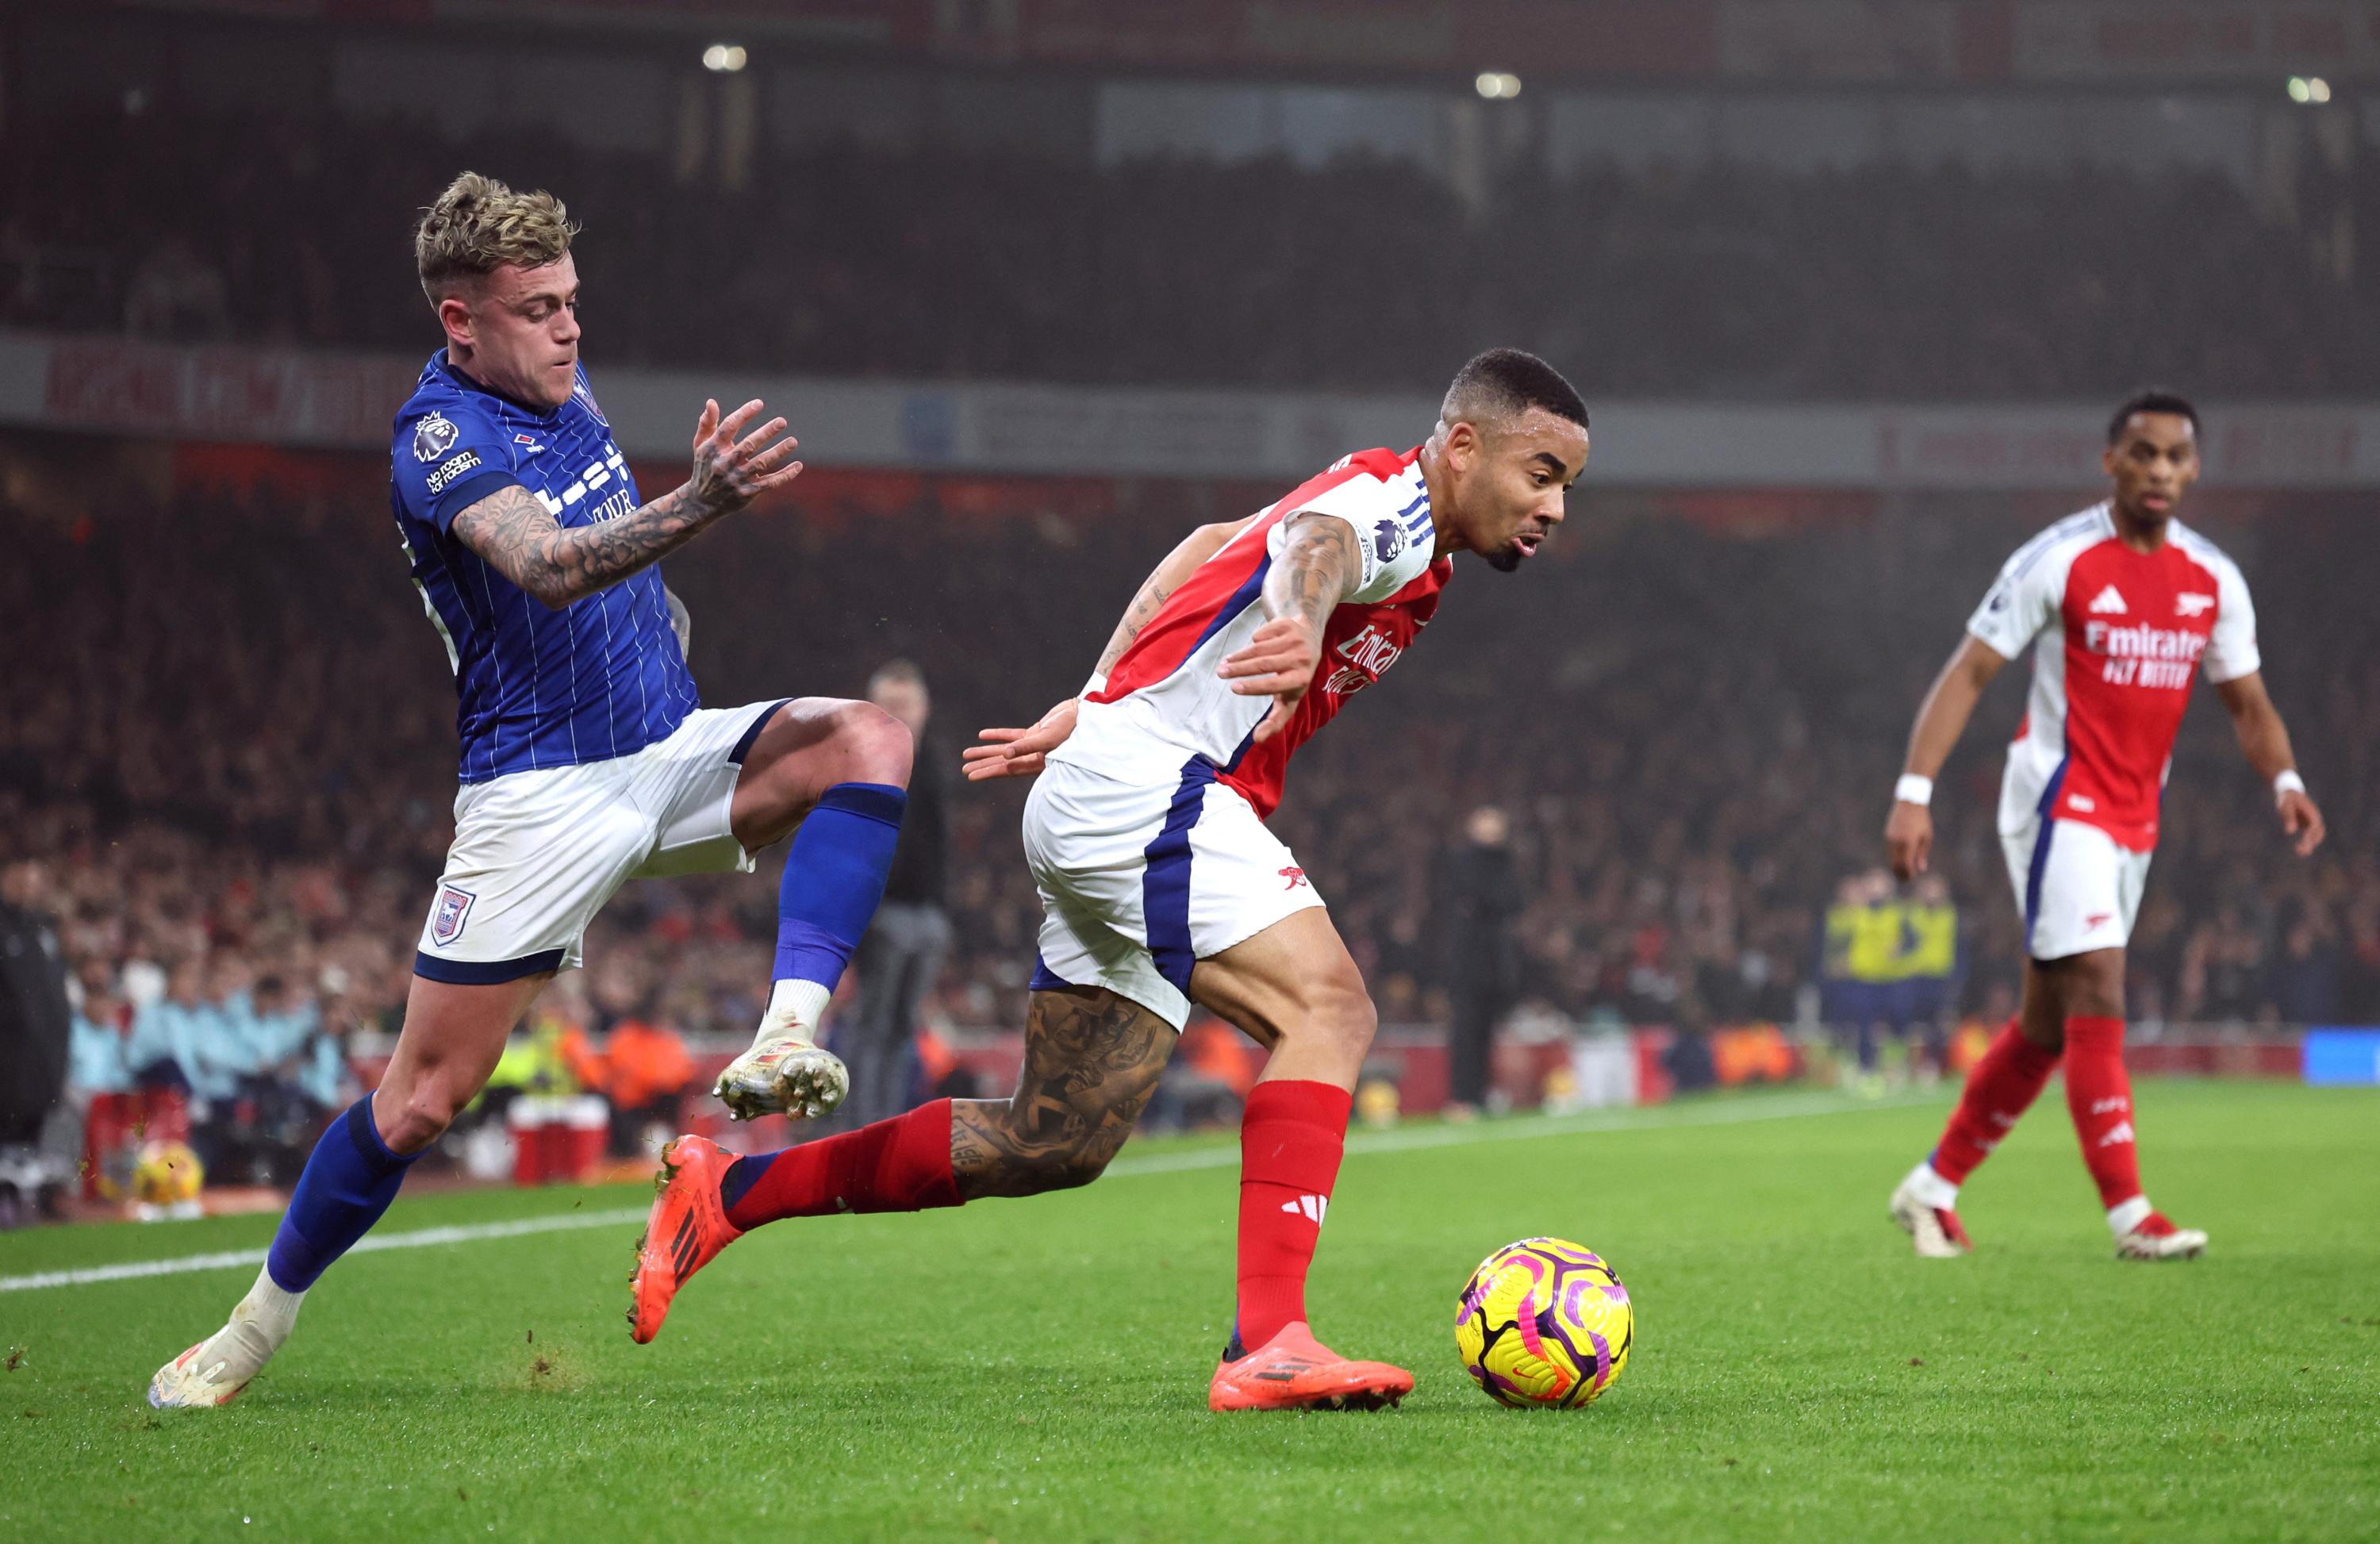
{"x": 1908, "y": 837}
{"x": 1018, "y": 752}
{"x": 2302, "y": 818}
{"x": 730, "y": 472}
{"x": 1278, "y": 662}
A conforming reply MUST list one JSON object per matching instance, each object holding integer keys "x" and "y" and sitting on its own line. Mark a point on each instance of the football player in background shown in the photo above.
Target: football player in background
{"x": 2123, "y": 606}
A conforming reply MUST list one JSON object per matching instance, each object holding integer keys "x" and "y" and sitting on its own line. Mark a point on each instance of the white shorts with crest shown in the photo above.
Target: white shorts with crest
{"x": 536, "y": 854}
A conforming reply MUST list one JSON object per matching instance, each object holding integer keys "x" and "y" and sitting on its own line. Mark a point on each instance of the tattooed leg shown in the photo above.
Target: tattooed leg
{"x": 1092, "y": 1059}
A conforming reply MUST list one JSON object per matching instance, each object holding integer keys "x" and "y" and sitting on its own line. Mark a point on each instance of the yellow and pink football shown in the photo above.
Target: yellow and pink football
{"x": 1544, "y": 1323}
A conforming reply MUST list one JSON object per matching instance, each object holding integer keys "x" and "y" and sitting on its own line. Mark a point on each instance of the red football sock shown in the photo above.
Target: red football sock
{"x": 2002, "y": 1087}
{"x": 1290, "y": 1140}
{"x": 903, "y": 1164}
{"x": 2099, "y": 1095}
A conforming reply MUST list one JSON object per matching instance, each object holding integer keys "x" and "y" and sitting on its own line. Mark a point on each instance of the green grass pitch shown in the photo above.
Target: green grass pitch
{"x": 1036, "y": 1369}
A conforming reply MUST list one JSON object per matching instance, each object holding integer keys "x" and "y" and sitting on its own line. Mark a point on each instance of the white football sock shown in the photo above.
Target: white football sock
{"x": 1932, "y": 1188}
{"x": 259, "y": 1322}
{"x": 2124, "y": 1219}
{"x": 796, "y": 1005}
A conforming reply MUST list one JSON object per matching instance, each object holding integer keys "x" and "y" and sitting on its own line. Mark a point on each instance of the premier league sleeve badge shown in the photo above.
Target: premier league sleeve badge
{"x": 433, "y": 437}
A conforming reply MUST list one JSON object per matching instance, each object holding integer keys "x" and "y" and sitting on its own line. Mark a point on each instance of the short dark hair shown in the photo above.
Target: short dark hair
{"x": 1506, "y": 382}
{"x": 2151, "y": 401}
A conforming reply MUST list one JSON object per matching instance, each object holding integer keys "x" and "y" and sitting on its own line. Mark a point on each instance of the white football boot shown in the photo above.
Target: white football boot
{"x": 785, "y": 1072}
{"x": 213, "y": 1371}
{"x": 1923, "y": 1210}
{"x": 2142, "y": 1233}
{"x": 790, "y": 1075}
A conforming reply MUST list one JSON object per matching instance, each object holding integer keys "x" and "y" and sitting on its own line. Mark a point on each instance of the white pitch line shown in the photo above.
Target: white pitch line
{"x": 419, "y": 1239}
{"x": 1361, "y": 1144}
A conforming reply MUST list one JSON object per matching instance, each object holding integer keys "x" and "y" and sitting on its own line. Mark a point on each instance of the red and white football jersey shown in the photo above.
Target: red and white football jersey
{"x": 2118, "y": 636}
{"x": 1163, "y": 703}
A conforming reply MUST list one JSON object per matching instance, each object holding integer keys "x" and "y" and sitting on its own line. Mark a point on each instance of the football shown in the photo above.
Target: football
{"x": 1544, "y": 1323}
{"x": 166, "y": 1174}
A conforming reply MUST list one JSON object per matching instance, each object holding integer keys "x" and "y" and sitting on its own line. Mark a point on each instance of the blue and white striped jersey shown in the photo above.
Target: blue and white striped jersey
{"x": 602, "y": 677}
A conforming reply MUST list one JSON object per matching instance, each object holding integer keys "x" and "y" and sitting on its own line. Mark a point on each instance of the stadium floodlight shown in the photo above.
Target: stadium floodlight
{"x": 1496, "y": 85}
{"x": 723, "y": 58}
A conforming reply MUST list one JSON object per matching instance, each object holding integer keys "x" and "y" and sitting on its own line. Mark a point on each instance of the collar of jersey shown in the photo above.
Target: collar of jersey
{"x": 446, "y": 368}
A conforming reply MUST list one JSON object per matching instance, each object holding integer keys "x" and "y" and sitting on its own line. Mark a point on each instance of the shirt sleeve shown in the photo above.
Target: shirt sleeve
{"x": 446, "y": 460}
{"x": 2022, "y": 601}
{"x": 1395, "y": 549}
{"x": 2232, "y": 650}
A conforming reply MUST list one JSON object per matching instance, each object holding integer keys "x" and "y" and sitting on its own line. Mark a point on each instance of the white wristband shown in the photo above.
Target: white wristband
{"x": 1913, "y": 789}
{"x": 1098, "y": 683}
{"x": 2287, "y": 781}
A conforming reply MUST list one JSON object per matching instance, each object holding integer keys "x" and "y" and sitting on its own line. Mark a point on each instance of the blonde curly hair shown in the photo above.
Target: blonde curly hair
{"x": 477, "y": 225}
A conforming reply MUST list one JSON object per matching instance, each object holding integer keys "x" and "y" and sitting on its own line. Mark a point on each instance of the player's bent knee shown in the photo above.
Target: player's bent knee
{"x": 1072, "y": 1170}
{"x": 422, "y": 1112}
{"x": 418, "y": 1122}
{"x": 1044, "y": 1161}
{"x": 1033, "y": 1171}
{"x": 879, "y": 745}
{"x": 1340, "y": 1014}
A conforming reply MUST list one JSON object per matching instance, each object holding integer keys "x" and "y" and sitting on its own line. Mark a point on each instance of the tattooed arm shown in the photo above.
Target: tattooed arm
{"x": 1320, "y": 566}
{"x": 517, "y": 538}
{"x": 1022, "y": 752}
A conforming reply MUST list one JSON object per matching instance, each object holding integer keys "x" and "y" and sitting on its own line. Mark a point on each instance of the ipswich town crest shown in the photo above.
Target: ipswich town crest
{"x": 453, "y": 909}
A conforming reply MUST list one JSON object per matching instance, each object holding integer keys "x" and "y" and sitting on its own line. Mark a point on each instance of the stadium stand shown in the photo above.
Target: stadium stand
{"x": 1730, "y": 281}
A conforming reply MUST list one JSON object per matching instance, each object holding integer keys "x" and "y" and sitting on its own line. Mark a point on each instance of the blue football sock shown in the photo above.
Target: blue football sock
{"x": 350, "y": 1178}
{"x": 834, "y": 877}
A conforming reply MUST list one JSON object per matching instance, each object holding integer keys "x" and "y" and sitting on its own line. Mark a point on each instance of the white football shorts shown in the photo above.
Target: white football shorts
{"x": 536, "y": 854}
{"x": 1139, "y": 882}
{"x": 2077, "y": 888}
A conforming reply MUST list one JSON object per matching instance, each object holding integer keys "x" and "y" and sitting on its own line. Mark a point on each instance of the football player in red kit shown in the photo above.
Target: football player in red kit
{"x": 1162, "y": 885}
{"x": 2123, "y": 606}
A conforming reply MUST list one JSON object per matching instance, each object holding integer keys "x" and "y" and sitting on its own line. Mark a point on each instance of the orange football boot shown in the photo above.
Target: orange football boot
{"x": 688, "y": 1226}
{"x": 1294, "y": 1371}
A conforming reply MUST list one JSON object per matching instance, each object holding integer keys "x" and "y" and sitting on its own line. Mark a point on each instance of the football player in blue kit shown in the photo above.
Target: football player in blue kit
{"x": 587, "y": 759}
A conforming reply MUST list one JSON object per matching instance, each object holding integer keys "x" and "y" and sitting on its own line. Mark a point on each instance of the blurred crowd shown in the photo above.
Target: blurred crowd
{"x": 227, "y": 758}
{"x": 1727, "y": 281}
